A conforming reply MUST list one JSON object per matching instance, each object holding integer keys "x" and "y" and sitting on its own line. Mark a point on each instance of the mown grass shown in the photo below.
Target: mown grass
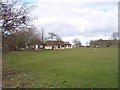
{"x": 73, "y": 68}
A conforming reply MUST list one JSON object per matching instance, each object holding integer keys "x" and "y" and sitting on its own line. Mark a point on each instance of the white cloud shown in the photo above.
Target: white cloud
{"x": 71, "y": 18}
{"x": 58, "y": 1}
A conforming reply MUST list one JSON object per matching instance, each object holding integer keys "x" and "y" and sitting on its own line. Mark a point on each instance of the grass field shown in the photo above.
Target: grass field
{"x": 79, "y": 67}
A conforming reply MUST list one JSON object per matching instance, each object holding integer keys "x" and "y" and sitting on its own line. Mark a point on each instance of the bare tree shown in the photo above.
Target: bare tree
{"x": 115, "y": 35}
{"x": 54, "y": 36}
{"x": 76, "y": 42}
{"x": 42, "y": 33}
{"x": 21, "y": 39}
{"x": 13, "y": 16}
{"x": 33, "y": 36}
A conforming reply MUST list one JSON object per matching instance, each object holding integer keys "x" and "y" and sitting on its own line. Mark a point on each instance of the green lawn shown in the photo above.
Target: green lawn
{"x": 78, "y": 67}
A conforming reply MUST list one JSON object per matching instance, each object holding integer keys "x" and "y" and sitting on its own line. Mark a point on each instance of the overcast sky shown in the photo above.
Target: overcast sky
{"x": 83, "y": 19}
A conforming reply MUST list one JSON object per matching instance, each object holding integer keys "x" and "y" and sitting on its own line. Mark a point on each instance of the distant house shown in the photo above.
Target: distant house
{"x": 54, "y": 45}
{"x": 67, "y": 45}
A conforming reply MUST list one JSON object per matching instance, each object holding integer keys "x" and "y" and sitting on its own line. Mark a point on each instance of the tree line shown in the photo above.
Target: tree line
{"x": 16, "y": 28}
{"x": 114, "y": 41}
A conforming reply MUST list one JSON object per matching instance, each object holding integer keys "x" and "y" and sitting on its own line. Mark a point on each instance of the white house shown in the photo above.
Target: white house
{"x": 54, "y": 45}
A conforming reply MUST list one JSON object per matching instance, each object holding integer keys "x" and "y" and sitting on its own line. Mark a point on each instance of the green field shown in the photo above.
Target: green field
{"x": 78, "y": 67}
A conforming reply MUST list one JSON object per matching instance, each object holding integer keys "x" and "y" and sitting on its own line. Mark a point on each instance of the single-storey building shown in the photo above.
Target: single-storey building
{"x": 54, "y": 45}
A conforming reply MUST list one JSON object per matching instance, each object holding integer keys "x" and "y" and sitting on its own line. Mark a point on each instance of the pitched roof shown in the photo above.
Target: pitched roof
{"x": 55, "y": 43}
{"x": 67, "y": 43}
